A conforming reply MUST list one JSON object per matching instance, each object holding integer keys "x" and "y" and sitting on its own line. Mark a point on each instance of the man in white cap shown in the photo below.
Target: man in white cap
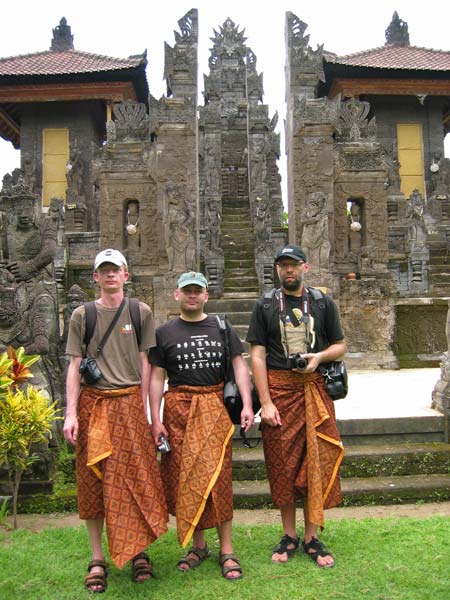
{"x": 196, "y": 472}
{"x": 107, "y": 384}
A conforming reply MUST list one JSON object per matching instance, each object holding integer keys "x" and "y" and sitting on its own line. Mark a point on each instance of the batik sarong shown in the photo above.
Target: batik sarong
{"x": 196, "y": 473}
{"x": 303, "y": 455}
{"x": 117, "y": 471}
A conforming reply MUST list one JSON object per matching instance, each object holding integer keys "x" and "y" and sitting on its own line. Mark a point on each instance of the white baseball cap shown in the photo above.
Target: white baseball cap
{"x": 110, "y": 256}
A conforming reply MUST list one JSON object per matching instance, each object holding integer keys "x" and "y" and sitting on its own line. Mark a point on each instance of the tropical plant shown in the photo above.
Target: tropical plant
{"x": 26, "y": 417}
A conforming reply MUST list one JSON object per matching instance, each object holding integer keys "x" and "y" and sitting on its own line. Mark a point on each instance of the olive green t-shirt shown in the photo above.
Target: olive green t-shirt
{"x": 119, "y": 362}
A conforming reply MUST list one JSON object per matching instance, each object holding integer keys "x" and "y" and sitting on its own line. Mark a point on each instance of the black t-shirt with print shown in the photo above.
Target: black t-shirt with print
{"x": 192, "y": 352}
{"x": 265, "y": 326}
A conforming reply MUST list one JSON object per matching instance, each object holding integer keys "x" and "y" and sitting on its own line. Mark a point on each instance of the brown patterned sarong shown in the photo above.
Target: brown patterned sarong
{"x": 197, "y": 474}
{"x": 117, "y": 471}
{"x": 303, "y": 455}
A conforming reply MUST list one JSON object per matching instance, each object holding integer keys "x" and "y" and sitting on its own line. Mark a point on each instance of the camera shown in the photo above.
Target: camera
{"x": 164, "y": 445}
{"x": 296, "y": 361}
{"x": 89, "y": 370}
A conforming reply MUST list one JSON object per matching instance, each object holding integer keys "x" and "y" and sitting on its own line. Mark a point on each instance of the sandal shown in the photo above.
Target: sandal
{"x": 318, "y": 550}
{"x": 228, "y": 569}
{"x": 141, "y": 568}
{"x": 96, "y": 580}
{"x": 282, "y": 547}
{"x": 192, "y": 563}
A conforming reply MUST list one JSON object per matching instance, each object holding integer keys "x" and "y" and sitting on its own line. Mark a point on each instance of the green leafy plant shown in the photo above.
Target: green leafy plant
{"x": 26, "y": 417}
{"x": 4, "y": 511}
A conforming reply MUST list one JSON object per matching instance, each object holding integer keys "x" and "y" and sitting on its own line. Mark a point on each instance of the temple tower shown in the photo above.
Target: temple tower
{"x": 240, "y": 194}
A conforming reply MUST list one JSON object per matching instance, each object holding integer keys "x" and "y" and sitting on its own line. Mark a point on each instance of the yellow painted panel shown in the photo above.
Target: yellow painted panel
{"x": 55, "y": 167}
{"x": 411, "y": 183}
{"x": 55, "y": 156}
{"x": 56, "y": 141}
{"x": 411, "y": 163}
{"x": 56, "y": 189}
{"x": 410, "y": 156}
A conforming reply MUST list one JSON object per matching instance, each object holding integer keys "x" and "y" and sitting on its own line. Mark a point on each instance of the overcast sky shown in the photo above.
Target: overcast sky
{"x": 120, "y": 29}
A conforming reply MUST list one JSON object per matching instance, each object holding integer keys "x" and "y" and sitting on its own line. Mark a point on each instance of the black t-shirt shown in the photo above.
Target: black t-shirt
{"x": 193, "y": 352}
{"x": 265, "y": 327}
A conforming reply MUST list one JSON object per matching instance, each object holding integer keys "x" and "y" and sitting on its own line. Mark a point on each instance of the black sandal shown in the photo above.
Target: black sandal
{"x": 318, "y": 550}
{"x": 236, "y": 567}
{"x": 96, "y": 579}
{"x": 141, "y": 568}
{"x": 192, "y": 563}
{"x": 282, "y": 547}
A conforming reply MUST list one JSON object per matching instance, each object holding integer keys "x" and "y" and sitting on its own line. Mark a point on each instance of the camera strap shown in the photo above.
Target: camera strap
{"x": 281, "y": 301}
{"x": 111, "y": 326}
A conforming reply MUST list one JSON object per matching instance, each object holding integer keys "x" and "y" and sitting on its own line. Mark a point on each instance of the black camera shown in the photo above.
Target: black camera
{"x": 296, "y": 361}
{"x": 89, "y": 370}
{"x": 164, "y": 445}
{"x": 335, "y": 379}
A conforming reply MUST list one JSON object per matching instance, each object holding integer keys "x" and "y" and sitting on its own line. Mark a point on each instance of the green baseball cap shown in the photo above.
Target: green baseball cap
{"x": 192, "y": 278}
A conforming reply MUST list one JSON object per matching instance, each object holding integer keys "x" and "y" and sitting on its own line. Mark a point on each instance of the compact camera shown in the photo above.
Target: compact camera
{"x": 296, "y": 361}
{"x": 90, "y": 371}
{"x": 164, "y": 445}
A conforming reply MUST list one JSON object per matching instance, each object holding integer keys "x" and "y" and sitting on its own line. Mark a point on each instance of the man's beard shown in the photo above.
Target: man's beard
{"x": 292, "y": 286}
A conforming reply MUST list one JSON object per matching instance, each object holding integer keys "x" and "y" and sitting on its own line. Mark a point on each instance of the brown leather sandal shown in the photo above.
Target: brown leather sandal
{"x": 141, "y": 568}
{"x": 228, "y": 569}
{"x": 96, "y": 580}
{"x": 192, "y": 563}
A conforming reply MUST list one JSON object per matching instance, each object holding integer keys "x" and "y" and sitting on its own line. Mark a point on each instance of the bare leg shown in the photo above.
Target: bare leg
{"x": 310, "y": 532}
{"x": 288, "y": 521}
{"x": 95, "y": 529}
{"x": 226, "y": 547}
{"x": 199, "y": 542}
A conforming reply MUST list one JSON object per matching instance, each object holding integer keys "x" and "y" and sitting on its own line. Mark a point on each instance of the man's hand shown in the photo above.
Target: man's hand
{"x": 247, "y": 418}
{"x": 70, "y": 429}
{"x": 313, "y": 363}
{"x": 158, "y": 429}
{"x": 270, "y": 415}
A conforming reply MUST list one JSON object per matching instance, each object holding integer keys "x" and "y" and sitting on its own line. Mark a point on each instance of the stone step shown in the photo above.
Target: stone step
{"x": 232, "y": 305}
{"x": 359, "y": 461}
{"x": 239, "y": 318}
{"x": 387, "y": 431}
{"x": 359, "y": 490}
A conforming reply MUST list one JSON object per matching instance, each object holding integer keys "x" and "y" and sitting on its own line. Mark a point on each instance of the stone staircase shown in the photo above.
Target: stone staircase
{"x": 238, "y": 308}
{"x": 386, "y": 462}
{"x": 238, "y": 247}
{"x": 439, "y": 265}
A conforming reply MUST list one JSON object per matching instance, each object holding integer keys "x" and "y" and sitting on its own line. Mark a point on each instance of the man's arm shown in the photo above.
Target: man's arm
{"x": 73, "y": 385}
{"x": 145, "y": 378}
{"x": 269, "y": 412}
{"x": 334, "y": 352}
{"x": 156, "y": 393}
{"x": 242, "y": 378}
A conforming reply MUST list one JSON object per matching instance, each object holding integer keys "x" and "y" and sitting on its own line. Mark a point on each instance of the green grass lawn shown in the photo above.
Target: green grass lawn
{"x": 383, "y": 559}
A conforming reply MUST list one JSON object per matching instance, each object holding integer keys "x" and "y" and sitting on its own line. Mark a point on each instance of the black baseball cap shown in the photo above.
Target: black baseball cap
{"x": 291, "y": 251}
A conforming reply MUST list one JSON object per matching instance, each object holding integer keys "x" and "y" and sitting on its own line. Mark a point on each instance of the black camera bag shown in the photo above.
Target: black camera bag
{"x": 231, "y": 395}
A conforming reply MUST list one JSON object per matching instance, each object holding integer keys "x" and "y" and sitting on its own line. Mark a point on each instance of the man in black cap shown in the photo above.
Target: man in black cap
{"x": 293, "y": 331}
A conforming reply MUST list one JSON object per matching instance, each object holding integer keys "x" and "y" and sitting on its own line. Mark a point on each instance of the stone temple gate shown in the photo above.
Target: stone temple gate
{"x": 176, "y": 185}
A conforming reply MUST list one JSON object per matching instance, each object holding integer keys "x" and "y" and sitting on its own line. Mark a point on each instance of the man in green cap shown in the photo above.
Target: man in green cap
{"x": 196, "y": 472}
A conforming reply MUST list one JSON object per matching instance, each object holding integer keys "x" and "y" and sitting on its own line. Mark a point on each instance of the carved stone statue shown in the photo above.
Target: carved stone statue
{"x": 417, "y": 233}
{"x": 75, "y": 297}
{"x": 28, "y": 296}
{"x": 263, "y": 224}
{"x": 213, "y": 220}
{"x": 179, "y": 230}
{"x": 74, "y": 176}
{"x": 315, "y": 241}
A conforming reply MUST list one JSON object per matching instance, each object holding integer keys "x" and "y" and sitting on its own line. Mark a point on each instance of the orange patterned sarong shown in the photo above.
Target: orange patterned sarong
{"x": 117, "y": 471}
{"x": 197, "y": 472}
{"x": 303, "y": 455}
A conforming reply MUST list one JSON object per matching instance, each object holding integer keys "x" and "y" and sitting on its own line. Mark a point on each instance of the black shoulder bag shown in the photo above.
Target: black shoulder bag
{"x": 231, "y": 395}
{"x": 88, "y": 366}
